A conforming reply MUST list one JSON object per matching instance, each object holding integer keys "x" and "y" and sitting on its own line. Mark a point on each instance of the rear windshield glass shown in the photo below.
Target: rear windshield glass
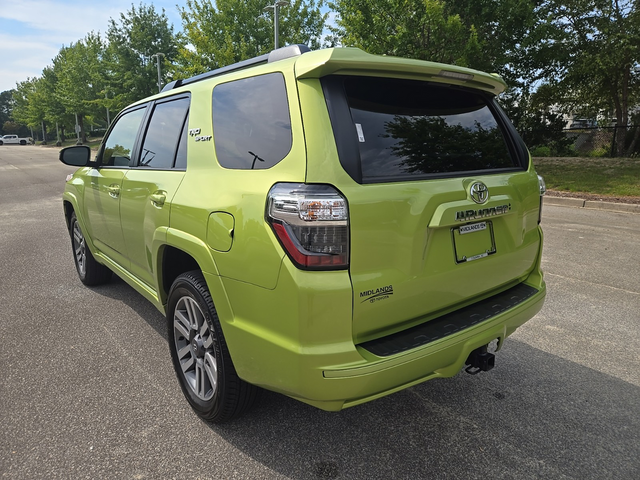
{"x": 406, "y": 128}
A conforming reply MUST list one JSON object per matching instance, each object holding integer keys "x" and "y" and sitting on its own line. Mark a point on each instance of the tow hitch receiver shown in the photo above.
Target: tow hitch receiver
{"x": 480, "y": 361}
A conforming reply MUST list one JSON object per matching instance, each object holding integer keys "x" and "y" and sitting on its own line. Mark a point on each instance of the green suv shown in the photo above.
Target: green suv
{"x": 331, "y": 225}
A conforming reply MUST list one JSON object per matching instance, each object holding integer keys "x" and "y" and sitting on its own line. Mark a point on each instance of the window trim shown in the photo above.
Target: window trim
{"x": 183, "y": 130}
{"x": 345, "y": 135}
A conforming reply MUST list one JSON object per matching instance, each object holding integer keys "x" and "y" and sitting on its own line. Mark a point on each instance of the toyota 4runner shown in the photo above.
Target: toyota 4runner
{"x": 331, "y": 225}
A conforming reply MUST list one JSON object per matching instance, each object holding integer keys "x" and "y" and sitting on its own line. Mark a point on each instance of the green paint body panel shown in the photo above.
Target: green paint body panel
{"x": 295, "y": 331}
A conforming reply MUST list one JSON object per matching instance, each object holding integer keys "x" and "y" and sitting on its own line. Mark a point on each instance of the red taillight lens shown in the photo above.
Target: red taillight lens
{"x": 312, "y": 224}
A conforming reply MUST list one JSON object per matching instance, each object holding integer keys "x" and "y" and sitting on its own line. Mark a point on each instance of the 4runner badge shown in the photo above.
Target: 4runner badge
{"x": 376, "y": 295}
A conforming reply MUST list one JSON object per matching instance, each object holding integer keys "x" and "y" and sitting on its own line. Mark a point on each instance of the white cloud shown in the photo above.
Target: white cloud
{"x": 72, "y": 19}
{"x": 37, "y": 29}
{"x": 35, "y": 54}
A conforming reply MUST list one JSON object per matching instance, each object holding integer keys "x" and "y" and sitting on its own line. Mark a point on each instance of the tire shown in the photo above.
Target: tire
{"x": 22, "y": 142}
{"x": 200, "y": 356}
{"x": 90, "y": 272}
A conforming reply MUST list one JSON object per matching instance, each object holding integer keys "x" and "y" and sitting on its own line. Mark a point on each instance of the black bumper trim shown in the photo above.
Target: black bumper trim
{"x": 450, "y": 323}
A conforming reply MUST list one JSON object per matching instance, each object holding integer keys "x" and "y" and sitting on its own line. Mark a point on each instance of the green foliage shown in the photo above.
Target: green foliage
{"x": 600, "y": 152}
{"x": 590, "y": 54}
{"x": 6, "y": 107}
{"x": 539, "y": 120}
{"x": 10, "y": 127}
{"x": 504, "y": 29}
{"x": 222, "y": 32}
{"x": 131, "y": 69}
{"x": 406, "y": 28}
{"x": 27, "y": 110}
{"x": 81, "y": 76}
{"x": 540, "y": 151}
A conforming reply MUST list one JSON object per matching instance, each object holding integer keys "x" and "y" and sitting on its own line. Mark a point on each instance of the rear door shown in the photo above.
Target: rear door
{"x": 444, "y": 207}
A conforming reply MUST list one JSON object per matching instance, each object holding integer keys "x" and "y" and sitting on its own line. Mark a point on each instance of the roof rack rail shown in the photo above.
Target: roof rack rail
{"x": 275, "y": 55}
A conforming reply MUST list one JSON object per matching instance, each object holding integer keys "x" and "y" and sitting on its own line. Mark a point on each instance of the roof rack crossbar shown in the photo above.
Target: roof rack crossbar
{"x": 273, "y": 56}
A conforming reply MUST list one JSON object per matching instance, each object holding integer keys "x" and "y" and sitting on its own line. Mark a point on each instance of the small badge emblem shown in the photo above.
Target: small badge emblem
{"x": 479, "y": 192}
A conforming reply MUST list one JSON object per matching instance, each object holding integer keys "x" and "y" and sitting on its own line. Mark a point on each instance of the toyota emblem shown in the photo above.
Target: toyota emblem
{"x": 479, "y": 192}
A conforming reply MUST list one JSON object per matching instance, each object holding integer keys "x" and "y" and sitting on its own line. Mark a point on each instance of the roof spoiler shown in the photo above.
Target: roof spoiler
{"x": 274, "y": 56}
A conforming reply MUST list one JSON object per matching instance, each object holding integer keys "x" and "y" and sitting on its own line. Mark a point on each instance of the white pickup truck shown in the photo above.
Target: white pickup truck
{"x": 14, "y": 139}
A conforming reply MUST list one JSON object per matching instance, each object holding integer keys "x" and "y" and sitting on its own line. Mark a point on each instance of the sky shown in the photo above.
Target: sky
{"x": 33, "y": 31}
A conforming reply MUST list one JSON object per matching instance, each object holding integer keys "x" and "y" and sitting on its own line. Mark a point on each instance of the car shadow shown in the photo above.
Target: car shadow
{"x": 535, "y": 415}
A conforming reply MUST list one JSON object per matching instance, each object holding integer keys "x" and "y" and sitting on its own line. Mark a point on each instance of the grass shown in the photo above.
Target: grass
{"x": 615, "y": 177}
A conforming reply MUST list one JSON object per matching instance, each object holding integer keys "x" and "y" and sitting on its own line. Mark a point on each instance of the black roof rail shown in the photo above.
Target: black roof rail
{"x": 275, "y": 55}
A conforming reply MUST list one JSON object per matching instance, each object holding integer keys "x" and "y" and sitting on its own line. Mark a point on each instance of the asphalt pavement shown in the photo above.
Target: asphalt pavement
{"x": 87, "y": 389}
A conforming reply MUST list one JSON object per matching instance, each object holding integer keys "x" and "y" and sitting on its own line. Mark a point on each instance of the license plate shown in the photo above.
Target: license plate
{"x": 473, "y": 242}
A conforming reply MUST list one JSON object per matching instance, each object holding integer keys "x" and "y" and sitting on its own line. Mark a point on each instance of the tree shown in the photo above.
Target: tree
{"x": 407, "y": 28}
{"x": 81, "y": 79}
{"x": 6, "y": 108}
{"x": 222, "y": 32}
{"x": 506, "y": 30}
{"x": 54, "y": 110}
{"x": 592, "y": 50}
{"x": 29, "y": 104}
{"x": 133, "y": 39}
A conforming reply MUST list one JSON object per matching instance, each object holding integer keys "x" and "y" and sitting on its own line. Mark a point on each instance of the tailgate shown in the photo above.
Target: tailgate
{"x": 443, "y": 206}
{"x": 421, "y": 249}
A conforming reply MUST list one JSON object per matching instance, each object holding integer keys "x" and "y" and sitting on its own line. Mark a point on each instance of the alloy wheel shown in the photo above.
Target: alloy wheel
{"x": 194, "y": 347}
{"x": 79, "y": 249}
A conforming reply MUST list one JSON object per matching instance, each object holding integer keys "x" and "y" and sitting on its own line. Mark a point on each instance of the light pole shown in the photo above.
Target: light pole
{"x": 158, "y": 55}
{"x": 276, "y": 12}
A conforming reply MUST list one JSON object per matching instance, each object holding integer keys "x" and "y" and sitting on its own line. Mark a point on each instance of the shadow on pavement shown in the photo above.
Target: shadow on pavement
{"x": 534, "y": 416}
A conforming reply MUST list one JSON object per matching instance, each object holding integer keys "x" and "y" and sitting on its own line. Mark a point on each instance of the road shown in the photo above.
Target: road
{"x": 87, "y": 389}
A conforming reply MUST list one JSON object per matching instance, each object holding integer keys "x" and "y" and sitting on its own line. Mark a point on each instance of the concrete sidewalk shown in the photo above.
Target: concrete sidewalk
{"x": 592, "y": 204}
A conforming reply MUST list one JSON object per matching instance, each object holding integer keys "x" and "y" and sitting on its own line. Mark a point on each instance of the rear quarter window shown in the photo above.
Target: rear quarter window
{"x": 251, "y": 123}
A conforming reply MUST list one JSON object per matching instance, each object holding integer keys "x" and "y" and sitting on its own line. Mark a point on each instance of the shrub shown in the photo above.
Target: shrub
{"x": 600, "y": 152}
{"x": 541, "y": 151}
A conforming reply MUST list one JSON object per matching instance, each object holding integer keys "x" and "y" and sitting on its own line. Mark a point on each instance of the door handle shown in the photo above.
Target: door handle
{"x": 114, "y": 190}
{"x": 158, "y": 198}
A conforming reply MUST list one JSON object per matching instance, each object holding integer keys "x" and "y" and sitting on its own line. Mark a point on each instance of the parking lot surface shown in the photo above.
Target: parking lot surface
{"x": 87, "y": 389}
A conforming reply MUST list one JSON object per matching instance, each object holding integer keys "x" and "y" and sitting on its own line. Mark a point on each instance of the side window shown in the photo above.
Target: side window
{"x": 118, "y": 147}
{"x": 251, "y": 124}
{"x": 163, "y": 134}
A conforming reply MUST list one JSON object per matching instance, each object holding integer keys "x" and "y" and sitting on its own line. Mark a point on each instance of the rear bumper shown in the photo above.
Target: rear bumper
{"x": 444, "y": 357}
{"x": 297, "y": 339}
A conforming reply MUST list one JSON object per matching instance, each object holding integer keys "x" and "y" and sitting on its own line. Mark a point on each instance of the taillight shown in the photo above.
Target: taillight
{"x": 543, "y": 190}
{"x": 311, "y": 223}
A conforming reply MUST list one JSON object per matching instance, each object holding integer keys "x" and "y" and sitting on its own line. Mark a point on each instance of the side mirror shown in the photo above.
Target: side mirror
{"x": 76, "y": 156}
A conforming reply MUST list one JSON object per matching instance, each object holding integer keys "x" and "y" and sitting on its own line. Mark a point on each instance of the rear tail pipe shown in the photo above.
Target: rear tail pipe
{"x": 480, "y": 361}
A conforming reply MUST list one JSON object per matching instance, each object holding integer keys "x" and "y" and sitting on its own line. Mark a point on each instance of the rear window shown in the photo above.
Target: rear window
{"x": 408, "y": 128}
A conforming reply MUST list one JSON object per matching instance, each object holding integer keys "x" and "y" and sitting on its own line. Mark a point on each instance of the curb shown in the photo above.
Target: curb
{"x": 592, "y": 204}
